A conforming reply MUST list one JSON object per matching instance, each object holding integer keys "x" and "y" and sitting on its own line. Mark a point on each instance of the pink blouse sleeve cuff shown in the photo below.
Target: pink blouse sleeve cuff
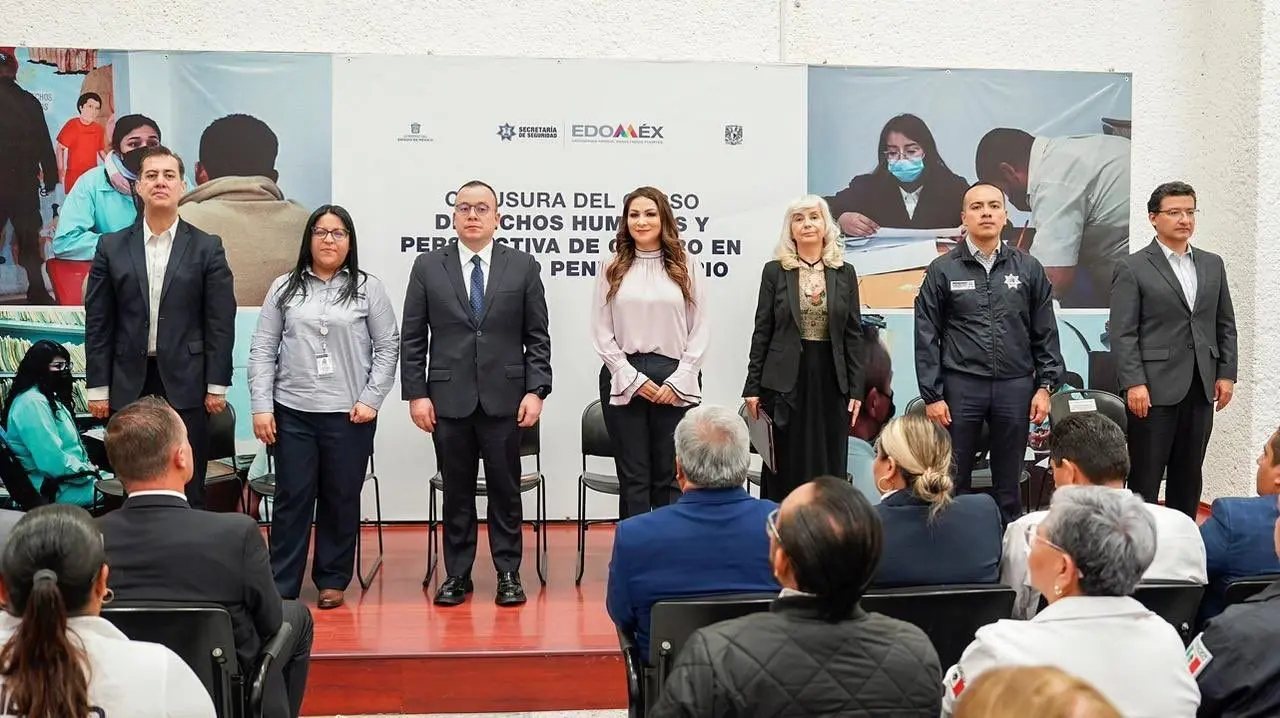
{"x": 625, "y": 383}
{"x": 684, "y": 382}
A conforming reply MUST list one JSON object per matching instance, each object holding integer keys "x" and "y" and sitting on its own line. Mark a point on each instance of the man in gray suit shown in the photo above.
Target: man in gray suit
{"x": 1173, "y": 333}
{"x": 475, "y": 367}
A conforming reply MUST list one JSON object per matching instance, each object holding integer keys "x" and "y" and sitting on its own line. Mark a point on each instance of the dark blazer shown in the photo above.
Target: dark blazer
{"x": 879, "y": 197}
{"x": 1157, "y": 339}
{"x": 1243, "y": 678}
{"x": 492, "y": 362}
{"x": 160, "y": 549}
{"x": 725, "y": 549}
{"x": 1238, "y": 543}
{"x": 197, "y": 317}
{"x": 774, "y": 362}
{"x": 962, "y": 544}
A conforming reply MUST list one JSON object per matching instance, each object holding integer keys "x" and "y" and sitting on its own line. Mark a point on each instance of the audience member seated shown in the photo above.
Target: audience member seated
{"x": 1235, "y": 660}
{"x": 60, "y": 657}
{"x": 711, "y": 541}
{"x": 930, "y": 537}
{"x": 816, "y": 652}
{"x": 1088, "y": 449}
{"x": 1039, "y": 692}
{"x": 40, "y": 426}
{"x": 1087, "y": 557}
{"x": 1237, "y": 534}
{"x": 160, "y": 549}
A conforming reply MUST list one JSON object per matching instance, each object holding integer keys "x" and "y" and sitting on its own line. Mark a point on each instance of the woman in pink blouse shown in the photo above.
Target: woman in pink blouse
{"x": 650, "y": 330}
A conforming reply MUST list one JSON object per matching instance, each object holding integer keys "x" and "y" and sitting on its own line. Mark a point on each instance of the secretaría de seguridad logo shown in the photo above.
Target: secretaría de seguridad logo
{"x": 508, "y": 132}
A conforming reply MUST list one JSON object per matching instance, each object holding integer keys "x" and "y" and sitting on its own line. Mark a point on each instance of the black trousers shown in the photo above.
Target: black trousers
{"x": 197, "y": 423}
{"x": 321, "y": 462}
{"x": 644, "y": 452}
{"x": 1173, "y": 438}
{"x": 1005, "y": 406}
{"x": 460, "y": 446}
{"x": 287, "y": 681}
{"x": 21, "y": 207}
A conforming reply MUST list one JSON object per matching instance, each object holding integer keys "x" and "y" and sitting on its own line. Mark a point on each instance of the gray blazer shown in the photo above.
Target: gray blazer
{"x": 460, "y": 362}
{"x": 1157, "y": 339}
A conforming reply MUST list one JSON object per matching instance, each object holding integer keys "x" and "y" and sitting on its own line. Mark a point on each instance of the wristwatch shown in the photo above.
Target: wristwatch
{"x": 541, "y": 392}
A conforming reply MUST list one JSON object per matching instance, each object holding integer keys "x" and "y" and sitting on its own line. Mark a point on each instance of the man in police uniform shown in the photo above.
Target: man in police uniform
{"x": 987, "y": 345}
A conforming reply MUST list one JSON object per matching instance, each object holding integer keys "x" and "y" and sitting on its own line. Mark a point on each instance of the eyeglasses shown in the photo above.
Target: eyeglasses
{"x": 464, "y": 209}
{"x": 1178, "y": 213}
{"x": 771, "y": 525}
{"x": 59, "y": 365}
{"x": 913, "y": 152}
{"x": 337, "y": 235}
{"x": 1034, "y": 538}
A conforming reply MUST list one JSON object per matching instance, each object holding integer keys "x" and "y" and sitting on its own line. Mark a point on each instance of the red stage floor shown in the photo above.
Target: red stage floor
{"x": 390, "y": 650}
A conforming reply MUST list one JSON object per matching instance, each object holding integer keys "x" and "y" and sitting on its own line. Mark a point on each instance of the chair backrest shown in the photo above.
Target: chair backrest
{"x": 949, "y": 615}
{"x": 672, "y": 622}
{"x": 742, "y": 412}
{"x": 1175, "y": 601}
{"x": 595, "y": 435}
{"x": 16, "y": 480}
{"x": 916, "y": 406}
{"x": 199, "y": 633}
{"x": 530, "y": 440}
{"x": 222, "y": 434}
{"x": 1079, "y": 401}
{"x": 1244, "y": 588}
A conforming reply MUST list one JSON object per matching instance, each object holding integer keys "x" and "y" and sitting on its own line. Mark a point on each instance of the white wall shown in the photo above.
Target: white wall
{"x": 1203, "y": 86}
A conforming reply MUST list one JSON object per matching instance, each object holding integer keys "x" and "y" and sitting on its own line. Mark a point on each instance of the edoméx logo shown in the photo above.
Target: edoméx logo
{"x": 622, "y": 132}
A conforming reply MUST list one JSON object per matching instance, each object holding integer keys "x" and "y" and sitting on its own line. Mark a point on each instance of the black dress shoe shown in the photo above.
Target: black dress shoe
{"x": 454, "y": 591}
{"x": 510, "y": 592}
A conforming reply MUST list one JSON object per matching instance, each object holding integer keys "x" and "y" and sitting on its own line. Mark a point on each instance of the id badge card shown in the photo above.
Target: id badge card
{"x": 324, "y": 365}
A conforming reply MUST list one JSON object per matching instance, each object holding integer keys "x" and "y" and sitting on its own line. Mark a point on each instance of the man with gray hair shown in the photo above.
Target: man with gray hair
{"x": 711, "y": 541}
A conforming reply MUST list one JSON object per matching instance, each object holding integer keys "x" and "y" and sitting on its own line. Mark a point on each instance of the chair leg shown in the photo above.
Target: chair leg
{"x": 540, "y": 497}
{"x": 366, "y": 580}
{"x": 431, "y": 536}
{"x": 582, "y": 531}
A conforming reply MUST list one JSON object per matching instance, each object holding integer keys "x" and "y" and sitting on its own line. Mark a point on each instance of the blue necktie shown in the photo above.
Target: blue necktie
{"x": 477, "y": 287}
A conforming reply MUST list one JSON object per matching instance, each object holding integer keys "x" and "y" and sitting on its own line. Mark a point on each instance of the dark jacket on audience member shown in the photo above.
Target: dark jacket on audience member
{"x": 711, "y": 541}
{"x": 789, "y": 662}
{"x": 962, "y": 544}
{"x": 160, "y": 549}
{"x": 1238, "y": 543}
{"x": 1242, "y": 680}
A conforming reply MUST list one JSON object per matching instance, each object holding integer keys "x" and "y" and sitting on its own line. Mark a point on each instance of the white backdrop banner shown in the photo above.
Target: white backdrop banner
{"x": 563, "y": 141}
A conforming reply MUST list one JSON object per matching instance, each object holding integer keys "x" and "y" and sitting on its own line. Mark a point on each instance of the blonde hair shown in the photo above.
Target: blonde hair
{"x": 1041, "y": 691}
{"x": 832, "y": 247}
{"x": 922, "y": 450}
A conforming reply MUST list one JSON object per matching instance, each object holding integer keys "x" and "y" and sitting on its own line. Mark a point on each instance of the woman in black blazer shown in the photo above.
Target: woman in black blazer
{"x": 930, "y": 537}
{"x": 805, "y": 367}
{"x": 911, "y": 186}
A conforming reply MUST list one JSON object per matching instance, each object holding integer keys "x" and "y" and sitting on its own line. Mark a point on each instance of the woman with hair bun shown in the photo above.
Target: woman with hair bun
{"x": 930, "y": 536}
{"x": 60, "y": 657}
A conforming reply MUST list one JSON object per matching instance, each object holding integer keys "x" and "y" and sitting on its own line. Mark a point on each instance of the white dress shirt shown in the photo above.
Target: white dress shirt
{"x": 910, "y": 200}
{"x": 157, "y": 247}
{"x": 465, "y": 255}
{"x": 1184, "y": 268}
{"x": 130, "y": 678}
{"x": 1131, "y": 655}
{"x": 1179, "y": 555}
{"x": 1078, "y": 189}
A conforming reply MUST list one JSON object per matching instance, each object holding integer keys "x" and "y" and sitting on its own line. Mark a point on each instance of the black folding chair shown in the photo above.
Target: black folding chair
{"x": 201, "y": 635}
{"x": 222, "y": 448}
{"x": 595, "y": 443}
{"x": 753, "y": 475}
{"x": 1242, "y": 589}
{"x": 671, "y": 623}
{"x": 950, "y": 615}
{"x": 1079, "y": 401}
{"x": 1177, "y": 602}
{"x": 530, "y": 445}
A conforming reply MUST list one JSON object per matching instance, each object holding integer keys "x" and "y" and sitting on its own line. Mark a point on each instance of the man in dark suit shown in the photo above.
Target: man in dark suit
{"x": 160, "y": 313}
{"x": 26, "y": 158}
{"x": 477, "y": 308}
{"x": 1173, "y": 333}
{"x": 1237, "y": 534}
{"x": 161, "y": 550}
{"x": 718, "y": 527}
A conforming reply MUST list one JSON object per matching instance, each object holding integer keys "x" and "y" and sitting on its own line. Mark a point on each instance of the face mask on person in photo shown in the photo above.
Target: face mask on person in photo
{"x": 58, "y": 383}
{"x": 131, "y": 161}
{"x": 908, "y": 169}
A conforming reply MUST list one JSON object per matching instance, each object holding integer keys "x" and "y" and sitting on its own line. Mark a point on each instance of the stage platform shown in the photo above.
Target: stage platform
{"x": 390, "y": 650}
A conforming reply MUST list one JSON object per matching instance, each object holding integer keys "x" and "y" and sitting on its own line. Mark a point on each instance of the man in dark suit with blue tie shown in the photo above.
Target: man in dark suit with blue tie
{"x": 1173, "y": 334}
{"x": 1237, "y": 535}
{"x": 712, "y": 541}
{"x": 475, "y": 354}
